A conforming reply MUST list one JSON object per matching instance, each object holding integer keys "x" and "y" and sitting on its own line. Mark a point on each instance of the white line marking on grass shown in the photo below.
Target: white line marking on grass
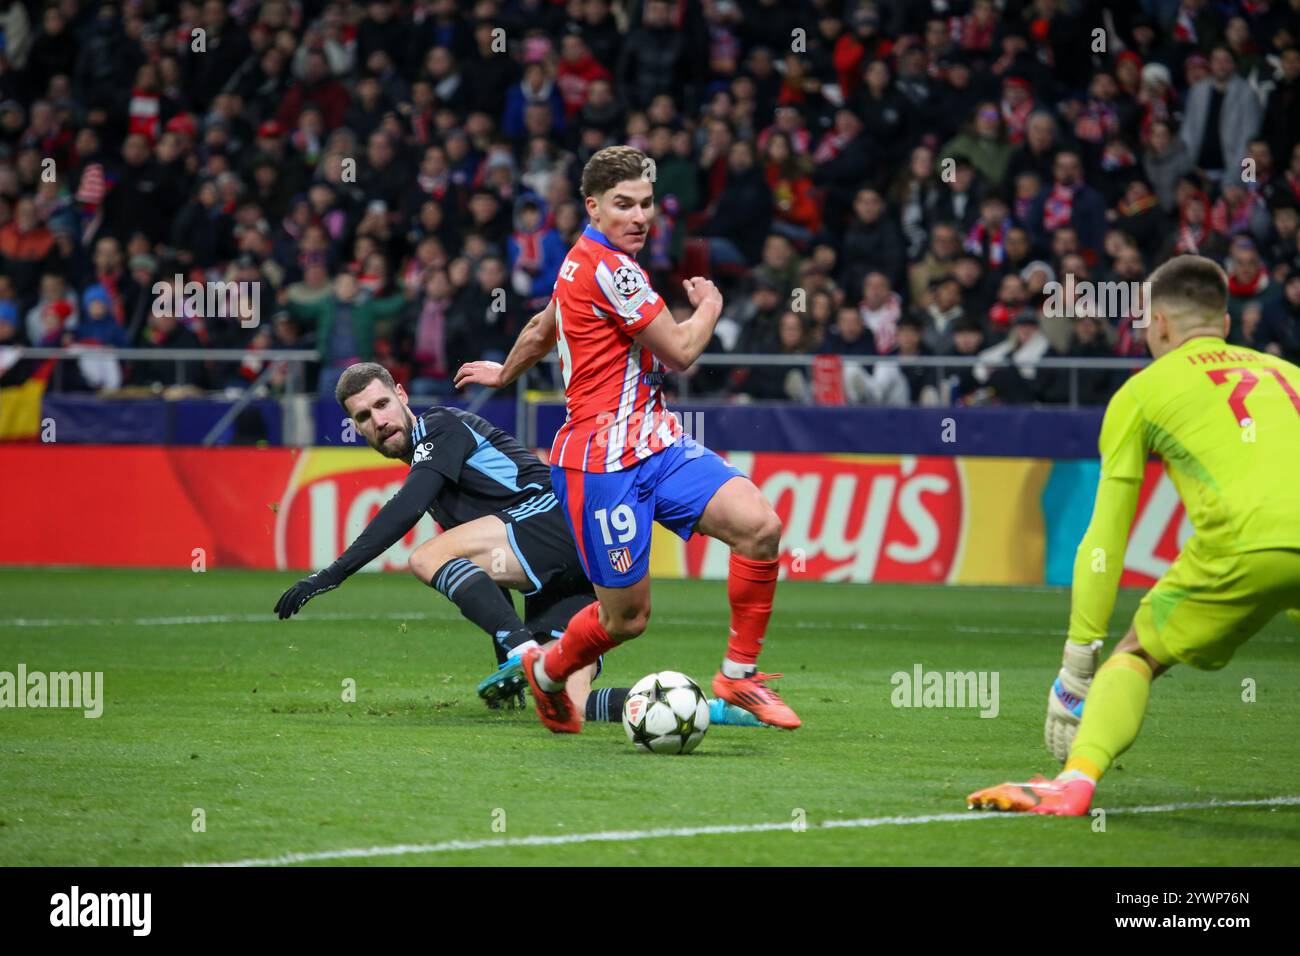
{"x": 627, "y": 836}
{"x": 214, "y": 619}
{"x": 176, "y": 620}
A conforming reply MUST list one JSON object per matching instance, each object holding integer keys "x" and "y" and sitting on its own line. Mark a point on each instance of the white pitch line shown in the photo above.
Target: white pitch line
{"x": 448, "y": 618}
{"x": 627, "y": 836}
{"x": 176, "y": 620}
{"x": 212, "y": 619}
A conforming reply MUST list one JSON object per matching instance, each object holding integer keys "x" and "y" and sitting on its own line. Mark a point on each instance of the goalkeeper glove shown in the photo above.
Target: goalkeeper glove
{"x": 292, "y": 600}
{"x": 1065, "y": 699}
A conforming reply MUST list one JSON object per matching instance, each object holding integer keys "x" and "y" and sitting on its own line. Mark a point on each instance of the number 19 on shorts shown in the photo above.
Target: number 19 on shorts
{"x": 623, "y": 521}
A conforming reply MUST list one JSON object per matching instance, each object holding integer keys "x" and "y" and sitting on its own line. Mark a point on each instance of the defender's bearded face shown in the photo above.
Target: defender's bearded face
{"x": 392, "y": 440}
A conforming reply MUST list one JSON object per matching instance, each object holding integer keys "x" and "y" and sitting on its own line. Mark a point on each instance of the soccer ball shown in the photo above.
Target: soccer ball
{"x": 666, "y": 713}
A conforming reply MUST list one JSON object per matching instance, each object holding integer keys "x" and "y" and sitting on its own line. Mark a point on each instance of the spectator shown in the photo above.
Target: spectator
{"x": 977, "y": 288}
{"x": 756, "y": 323}
{"x": 891, "y": 383}
{"x": 1138, "y": 214}
{"x": 743, "y": 212}
{"x": 316, "y": 88}
{"x": 1088, "y": 341}
{"x": 1248, "y": 283}
{"x": 9, "y": 334}
{"x": 346, "y": 325}
{"x": 1165, "y": 161}
{"x": 945, "y": 245}
{"x": 1279, "y": 328}
{"x": 53, "y": 50}
{"x": 1196, "y": 233}
{"x": 1069, "y": 201}
{"x": 784, "y": 382}
{"x": 796, "y": 212}
{"x": 881, "y": 309}
{"x": 959, "y": 386}
{"x": 535, "y": 252}
{"x": 1037, "y": 152}
{"x": 655, "y": 56}
{"x": 1240, "y": 211}
{"x": 916, "y": 193}
{"x": 53, "y": 290}
{"x": 1221, "y": 117}
{"x": 164, "y": 331}
{"x": 486, "y": 316}
{"x": 97, "y": 327}
{"x": 844, "y": 158}
{"x": 25, "y": 246}
{"x": 1281, "y": 123}
{"x": 872, "y": 241}
{"x": 885, "y": 114}
{"x": 983, "y": 143}
{"x": 578, "y": 69}
{"x": 52, "y": 326}
{"x": 225, "y": 50}
{"x": 486, "y": 74}
{"x": 943, "y": 309}
{"x": 987, "y": 238}
{"x": 536, "y": 88}
{"x": 1009, "y": 369}
{"x": 427, "y": 338}
{"x": 850, "y": 335}
{"x": 1283, "y": 247}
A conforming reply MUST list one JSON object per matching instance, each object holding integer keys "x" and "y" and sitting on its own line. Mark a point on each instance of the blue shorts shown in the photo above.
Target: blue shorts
{"x": 611, "y": 514}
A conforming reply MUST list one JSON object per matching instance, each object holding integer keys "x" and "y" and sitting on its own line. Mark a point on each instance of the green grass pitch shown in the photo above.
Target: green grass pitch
{"x": 211, "y": 704}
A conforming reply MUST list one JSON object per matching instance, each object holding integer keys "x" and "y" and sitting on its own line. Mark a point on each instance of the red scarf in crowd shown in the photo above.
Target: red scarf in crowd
{"x": 1248, "y": 288}
{"x": 1015, "y": 118}
{"x": 981, "y": 238}
{"x": 1231, "y": 220}
{"x": 975, "y": 37}
{"x": 431, "y": 336}
{"x": 144, "y": 114}
{"x": 1058, "y": 208}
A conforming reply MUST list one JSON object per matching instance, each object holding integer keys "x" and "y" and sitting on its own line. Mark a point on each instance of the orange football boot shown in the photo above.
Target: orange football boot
{"x": 1063, "y": 798}
{"x": 752, "y": 694}
{"x": 554, "y": 707}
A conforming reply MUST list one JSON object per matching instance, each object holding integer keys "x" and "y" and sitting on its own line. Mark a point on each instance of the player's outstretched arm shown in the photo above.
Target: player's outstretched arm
{"x": 534, "y": 343}
{"x": 1098, "y": 565}
{"x": 394, "y": 520}
{"x": 679, "y": 344}
{"x": 1099, "y": 560}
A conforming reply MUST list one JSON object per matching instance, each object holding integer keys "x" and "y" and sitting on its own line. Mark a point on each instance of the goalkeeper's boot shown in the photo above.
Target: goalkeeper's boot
{"x": 1064, "y": 798}
{"x": 720, "y": 712}
{"x": 505, "y": 687}
{"x": 554, "y": 707}
{"x": 751, "y": 693}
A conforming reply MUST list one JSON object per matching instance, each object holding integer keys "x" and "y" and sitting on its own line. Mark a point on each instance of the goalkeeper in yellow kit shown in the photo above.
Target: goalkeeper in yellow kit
{"x": 1226, "y": 422}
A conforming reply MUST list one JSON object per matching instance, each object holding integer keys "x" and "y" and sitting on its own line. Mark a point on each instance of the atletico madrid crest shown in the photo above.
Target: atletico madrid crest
{"x": 620, "y": 559}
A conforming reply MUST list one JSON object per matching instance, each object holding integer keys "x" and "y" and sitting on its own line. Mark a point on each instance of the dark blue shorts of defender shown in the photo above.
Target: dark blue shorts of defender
{"x": 612, "y": 514}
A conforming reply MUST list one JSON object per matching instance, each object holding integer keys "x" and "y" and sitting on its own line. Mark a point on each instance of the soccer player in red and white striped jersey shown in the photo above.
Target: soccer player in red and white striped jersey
{"x": 620, "y": 462}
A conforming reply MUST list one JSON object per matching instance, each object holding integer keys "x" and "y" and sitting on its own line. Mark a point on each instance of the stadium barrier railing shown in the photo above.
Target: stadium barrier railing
{"x": 298, "y": 414}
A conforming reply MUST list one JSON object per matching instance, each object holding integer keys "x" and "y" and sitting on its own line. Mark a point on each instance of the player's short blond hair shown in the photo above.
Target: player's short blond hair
{"x": 611, "y": 166}
{"x": 1190, "y": 291}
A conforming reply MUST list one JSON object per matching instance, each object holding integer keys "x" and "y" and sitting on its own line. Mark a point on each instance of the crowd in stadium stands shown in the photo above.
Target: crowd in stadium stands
{"x": 897, "y": 177}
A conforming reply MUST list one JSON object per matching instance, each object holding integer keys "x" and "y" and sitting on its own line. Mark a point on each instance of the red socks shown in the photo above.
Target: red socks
{"x": 750, "y": 586}
{"x": 584, "y": 640}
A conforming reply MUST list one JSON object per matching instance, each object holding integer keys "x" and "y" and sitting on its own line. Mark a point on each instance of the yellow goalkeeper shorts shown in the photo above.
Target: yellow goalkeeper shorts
{"x": 1206, "y": 606}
